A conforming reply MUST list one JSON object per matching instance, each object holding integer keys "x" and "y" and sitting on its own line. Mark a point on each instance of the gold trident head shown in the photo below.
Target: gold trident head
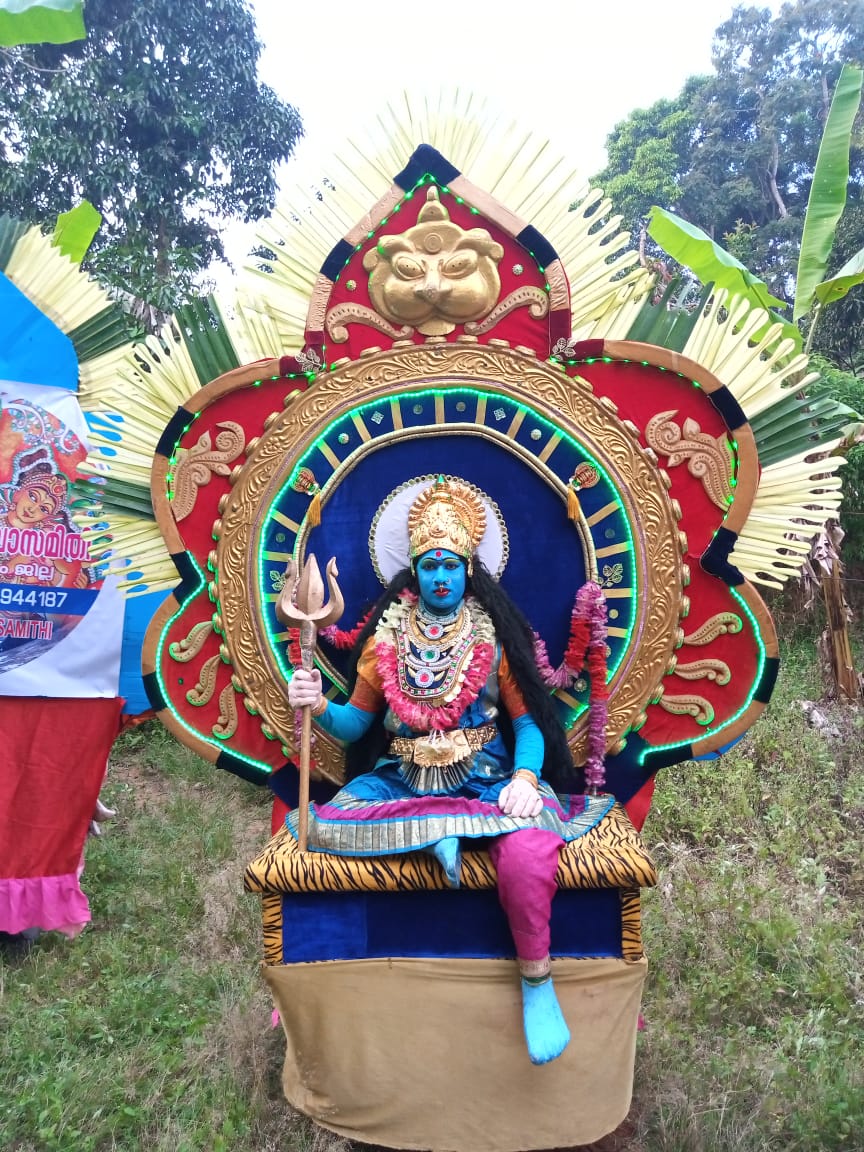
{"x": 301, "y": 604}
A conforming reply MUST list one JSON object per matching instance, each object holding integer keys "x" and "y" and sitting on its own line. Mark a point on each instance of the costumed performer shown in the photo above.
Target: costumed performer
{"x": 448, "y": 708}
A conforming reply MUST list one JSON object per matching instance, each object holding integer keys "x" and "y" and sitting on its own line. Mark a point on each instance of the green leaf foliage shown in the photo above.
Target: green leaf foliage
{"x": 828, "y": 189}
{"x": 40, "y": 22}
{"x": 743, "y": 168}
{"x": 102, "y": 333}
{"x": 206, "y": 339}
{"x": 836, "y": 287}
{"x": 709, "y": 262}
{"x": 667, "y": 319}
{"x": 76, "y": 229}
{"x": 159, "y": 120}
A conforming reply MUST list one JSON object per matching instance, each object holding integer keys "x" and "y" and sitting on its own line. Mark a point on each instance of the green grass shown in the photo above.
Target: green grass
{"x": 152, "y": 1029}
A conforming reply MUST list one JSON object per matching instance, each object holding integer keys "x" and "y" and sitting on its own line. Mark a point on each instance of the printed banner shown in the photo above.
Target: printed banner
{"x": 60, "y": 623}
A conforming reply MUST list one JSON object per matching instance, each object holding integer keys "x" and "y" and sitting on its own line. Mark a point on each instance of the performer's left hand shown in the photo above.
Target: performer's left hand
{"x": 520, "y": 798}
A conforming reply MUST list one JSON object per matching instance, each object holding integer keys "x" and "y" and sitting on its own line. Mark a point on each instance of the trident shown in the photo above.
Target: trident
{"x": 301, "y": 605}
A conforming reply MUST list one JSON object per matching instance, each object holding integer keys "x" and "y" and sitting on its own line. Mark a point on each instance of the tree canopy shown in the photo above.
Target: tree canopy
{"x": 734, "y": 153}
{"x": 159, "y": 120}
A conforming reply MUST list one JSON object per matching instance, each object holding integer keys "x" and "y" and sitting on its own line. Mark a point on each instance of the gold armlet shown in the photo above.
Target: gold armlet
{"x": 527, "y": 774}
{"x": 321, "y": 707}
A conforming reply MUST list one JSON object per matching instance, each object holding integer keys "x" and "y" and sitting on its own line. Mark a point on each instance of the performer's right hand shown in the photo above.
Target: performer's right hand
{"x": 304, "y": 688}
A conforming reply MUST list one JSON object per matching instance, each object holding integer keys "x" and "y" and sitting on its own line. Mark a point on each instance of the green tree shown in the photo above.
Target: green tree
{"x": 158, "y": 119}
{"x": 741, "y": 144}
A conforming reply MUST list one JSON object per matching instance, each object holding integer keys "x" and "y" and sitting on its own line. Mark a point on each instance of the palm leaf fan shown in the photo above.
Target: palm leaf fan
{"x": 126, "y": 415}
{"x": 799, "y": 487}
{"x": 516, "y": 166}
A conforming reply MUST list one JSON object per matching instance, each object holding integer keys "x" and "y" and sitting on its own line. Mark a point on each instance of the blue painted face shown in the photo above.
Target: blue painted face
{"x": 441, "y": 576}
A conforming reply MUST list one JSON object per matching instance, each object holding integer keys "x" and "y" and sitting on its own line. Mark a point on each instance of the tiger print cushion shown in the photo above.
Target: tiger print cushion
{"x": 610, "y": 855}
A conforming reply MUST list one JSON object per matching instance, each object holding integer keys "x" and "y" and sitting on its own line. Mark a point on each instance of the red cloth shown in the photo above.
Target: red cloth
{"x": 53, "y": 755}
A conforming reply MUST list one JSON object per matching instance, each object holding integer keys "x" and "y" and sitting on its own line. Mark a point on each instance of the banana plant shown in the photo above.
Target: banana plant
{"x": 825, "y": 207}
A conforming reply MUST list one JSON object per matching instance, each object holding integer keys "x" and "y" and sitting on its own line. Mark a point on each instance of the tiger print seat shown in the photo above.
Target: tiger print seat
{"x": 315, "y": 905}
{"x": 609, "y": 855}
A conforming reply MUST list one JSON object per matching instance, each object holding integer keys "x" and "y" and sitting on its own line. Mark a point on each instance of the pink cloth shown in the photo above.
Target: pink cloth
{"x": 526, "y": 863}
{"x": 52, "y": 903}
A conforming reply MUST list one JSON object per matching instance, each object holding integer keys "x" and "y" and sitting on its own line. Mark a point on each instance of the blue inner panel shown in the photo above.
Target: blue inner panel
{"x": 358, "y": 925}
{"x": 363, "y": 457}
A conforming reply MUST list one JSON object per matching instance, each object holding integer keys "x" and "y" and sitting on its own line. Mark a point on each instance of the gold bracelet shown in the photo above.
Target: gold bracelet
{"x": 527, "y": 774}
{"x": 320, "y": 708}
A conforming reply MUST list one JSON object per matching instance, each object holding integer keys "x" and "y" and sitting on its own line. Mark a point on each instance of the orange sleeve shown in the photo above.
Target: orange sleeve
{"x": 511, "y": 695}
{"x": 368, "y": 694}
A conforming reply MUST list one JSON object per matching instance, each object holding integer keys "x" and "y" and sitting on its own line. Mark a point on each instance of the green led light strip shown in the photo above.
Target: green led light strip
{"x": 443, "y": 190}
{"x": 268, "y": 768}
{"x": 452, "y": 393}
{"x": 757, "y": 680}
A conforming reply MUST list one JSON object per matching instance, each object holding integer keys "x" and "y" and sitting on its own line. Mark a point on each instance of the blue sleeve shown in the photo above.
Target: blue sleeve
{"x": 346, "y": 722}
{"x": 530, "y": 745}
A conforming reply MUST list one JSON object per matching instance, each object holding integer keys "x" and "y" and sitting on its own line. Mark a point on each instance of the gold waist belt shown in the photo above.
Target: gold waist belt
{"x": 439, "y": 749}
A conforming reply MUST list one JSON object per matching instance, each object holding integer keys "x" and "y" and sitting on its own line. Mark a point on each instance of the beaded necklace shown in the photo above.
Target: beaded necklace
{"x": 429, "y": 680}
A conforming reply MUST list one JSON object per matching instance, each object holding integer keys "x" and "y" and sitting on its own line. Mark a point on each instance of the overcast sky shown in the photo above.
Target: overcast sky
{"x": 571, "y": 68}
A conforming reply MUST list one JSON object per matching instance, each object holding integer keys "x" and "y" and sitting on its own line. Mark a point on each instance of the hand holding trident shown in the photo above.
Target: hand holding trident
{"x": 301, "y": 605}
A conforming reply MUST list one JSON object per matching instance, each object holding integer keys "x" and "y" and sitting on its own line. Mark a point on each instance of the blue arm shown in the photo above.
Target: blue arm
{"x": 530, "y": 745}
{"x": 346, "y": 722}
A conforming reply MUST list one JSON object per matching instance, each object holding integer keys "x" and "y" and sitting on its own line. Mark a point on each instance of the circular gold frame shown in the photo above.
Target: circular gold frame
{"x": 570, "y": 404}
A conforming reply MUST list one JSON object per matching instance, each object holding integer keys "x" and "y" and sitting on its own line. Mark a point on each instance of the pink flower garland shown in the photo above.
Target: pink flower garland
{"x": 587, "y": 645}
{"x": 432, "y": 717}
{"x": 588, "y": 638}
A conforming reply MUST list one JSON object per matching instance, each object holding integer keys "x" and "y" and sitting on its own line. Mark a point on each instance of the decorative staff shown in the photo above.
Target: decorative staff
{"x": 301, "y": 605}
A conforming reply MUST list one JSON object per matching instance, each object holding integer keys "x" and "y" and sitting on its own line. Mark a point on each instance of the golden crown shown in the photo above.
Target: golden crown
{"x": 449, "y": 515}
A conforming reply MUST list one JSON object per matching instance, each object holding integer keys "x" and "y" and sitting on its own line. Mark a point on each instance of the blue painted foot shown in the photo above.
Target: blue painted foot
{"x": 546, "y": 1031}
{"x": 449, "y": 856}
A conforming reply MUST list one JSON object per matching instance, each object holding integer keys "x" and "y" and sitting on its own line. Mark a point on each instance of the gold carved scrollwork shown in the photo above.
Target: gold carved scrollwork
{"x": 203, "y": 691}
{"x": 226, "y": 725}
{"x": 196, "y": 465}
{"x": 546, "y": 389}
{"x": 535, "y": 299}
{"x": 696, "y": 706}
{"x": 188, "y": 648}
{"x": 707, "y": 669}
{"x": 342, "y": 315}
{"x": 435, "y": 275}
{"x": 709, "y": 458}
{"x": 713, "y": 627}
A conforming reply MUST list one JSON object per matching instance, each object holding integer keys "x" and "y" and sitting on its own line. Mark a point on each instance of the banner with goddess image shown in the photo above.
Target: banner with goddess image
{"x": 60, "y": 623}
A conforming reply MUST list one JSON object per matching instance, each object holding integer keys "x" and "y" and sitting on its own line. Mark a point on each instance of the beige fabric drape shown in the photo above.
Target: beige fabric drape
{"x": 429, "y": 1054}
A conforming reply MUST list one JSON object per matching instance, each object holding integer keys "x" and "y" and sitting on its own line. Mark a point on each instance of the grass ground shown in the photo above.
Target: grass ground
{"x": 152, "y": 1030}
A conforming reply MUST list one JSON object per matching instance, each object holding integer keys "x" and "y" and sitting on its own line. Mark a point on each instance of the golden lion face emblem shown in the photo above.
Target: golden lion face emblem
{"x": 436, "y": 275}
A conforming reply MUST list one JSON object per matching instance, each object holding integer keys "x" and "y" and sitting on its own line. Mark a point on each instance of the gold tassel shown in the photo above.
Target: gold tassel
{"x": 572, "y": 503}
{"x": 314, "y": 515}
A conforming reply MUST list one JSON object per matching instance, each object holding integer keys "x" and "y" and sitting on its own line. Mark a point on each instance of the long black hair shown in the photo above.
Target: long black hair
{"x": 517, "y": 639}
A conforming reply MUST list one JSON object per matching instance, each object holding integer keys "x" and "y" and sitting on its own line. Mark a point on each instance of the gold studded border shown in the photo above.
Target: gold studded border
{"x": 544, "y": 387}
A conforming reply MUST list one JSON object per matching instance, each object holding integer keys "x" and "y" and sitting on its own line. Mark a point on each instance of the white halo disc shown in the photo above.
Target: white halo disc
{"x": 388, "y": 535}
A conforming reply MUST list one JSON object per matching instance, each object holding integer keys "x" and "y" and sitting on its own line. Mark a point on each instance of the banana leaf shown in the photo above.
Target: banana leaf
{"x": 828, "y": 190}
{"x": 835, "y": 288}
{"x": 75, "y": 229}
{"x": 696, "y": 250}
{"x": 41, "y": 22}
